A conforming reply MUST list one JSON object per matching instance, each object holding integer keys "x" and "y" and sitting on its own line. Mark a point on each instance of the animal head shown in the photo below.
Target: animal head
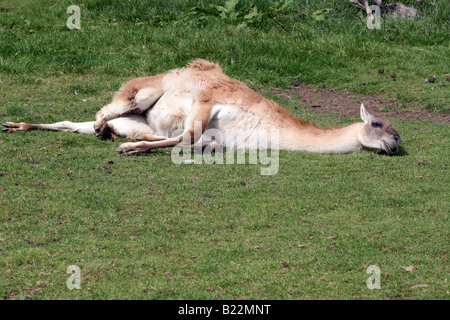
{"x": 378, "y": 134}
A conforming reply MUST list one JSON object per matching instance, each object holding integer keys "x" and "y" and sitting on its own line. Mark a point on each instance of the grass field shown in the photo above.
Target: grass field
{"x": 140, "y": 227}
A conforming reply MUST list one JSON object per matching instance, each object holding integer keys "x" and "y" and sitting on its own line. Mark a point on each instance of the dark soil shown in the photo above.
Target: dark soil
{"x": 346, "y": 105}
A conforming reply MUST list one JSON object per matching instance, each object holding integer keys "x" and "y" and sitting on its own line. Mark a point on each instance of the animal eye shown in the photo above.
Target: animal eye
{"x": 377, "y": 124}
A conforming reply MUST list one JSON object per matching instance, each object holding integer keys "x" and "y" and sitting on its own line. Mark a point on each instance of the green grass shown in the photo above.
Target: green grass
{"x": 143, "y": 228}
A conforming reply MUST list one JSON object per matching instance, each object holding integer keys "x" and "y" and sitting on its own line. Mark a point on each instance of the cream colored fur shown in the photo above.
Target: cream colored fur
{"x": 163, "y": 110}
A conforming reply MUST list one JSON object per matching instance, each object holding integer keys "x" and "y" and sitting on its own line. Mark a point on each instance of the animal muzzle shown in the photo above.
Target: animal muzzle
{"x": 390, "y": 147}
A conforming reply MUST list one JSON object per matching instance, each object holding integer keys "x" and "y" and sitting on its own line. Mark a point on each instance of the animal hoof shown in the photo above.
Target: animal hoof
{"x": 120, "y": 151}
{"x": 126, "y": 152}
{"x": 126, "y": 149}
{"x": 103, "y": 130}
{"x": 8, "y": 127}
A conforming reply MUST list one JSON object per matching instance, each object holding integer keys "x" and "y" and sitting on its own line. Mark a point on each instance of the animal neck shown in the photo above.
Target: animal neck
{"x": 308, "y": 137}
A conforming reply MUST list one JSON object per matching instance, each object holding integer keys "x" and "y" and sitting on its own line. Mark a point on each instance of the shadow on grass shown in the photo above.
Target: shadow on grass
{"x": 401, "y": 152}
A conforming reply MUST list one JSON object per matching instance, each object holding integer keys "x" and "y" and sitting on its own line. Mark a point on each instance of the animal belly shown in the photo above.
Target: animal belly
{"x": 167, "y": 116}
{"x": 235, "y": 128}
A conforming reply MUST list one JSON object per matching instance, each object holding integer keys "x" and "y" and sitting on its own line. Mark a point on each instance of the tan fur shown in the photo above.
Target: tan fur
{"x": 155, "y": 108}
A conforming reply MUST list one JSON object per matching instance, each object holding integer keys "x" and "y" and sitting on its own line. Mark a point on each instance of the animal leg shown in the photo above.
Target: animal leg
{"x": 80, "y": 127}
{"x": 129, "y": 148}
{"x": 133, "y": 127}
{"x": 135, "y": 96}
{"x": 195, "y": 125}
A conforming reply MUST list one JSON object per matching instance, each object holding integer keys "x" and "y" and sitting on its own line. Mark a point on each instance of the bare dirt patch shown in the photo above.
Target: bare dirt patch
{"x": 345, "y": 105}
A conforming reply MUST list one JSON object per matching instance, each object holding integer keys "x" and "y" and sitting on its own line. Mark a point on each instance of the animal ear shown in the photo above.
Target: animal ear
{"x": 365, "y": 116}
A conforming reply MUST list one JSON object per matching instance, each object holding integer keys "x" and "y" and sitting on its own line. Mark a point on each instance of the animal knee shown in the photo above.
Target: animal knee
{"x": 101, "y": 113}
